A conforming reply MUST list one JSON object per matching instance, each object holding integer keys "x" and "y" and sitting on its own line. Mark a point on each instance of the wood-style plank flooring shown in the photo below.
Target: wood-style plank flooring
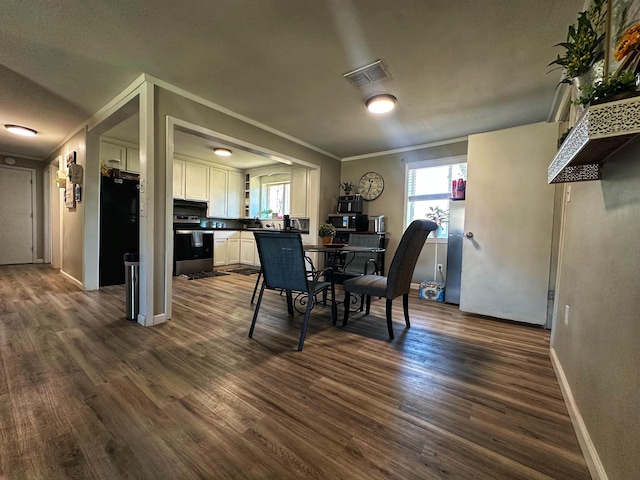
{"x": 86, "y": 394}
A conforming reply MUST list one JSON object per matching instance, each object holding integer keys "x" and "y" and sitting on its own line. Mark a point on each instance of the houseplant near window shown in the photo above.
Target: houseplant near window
{"x": 438, "y": 216}
{"x": 327, "y": 232}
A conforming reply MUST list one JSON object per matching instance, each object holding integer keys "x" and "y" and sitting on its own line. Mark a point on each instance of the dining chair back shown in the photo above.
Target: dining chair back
{"x": 283, "y": 267}
{"x": 398, "y": 280}
{"x": 362, "y": 263}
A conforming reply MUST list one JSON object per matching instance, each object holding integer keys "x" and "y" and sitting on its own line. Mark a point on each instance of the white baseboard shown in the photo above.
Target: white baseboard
{"x": 588, "y": 448}
{"x": 157, "y": 319}
{"x": 72, "y": 279}
{"x": 39, "y": 260}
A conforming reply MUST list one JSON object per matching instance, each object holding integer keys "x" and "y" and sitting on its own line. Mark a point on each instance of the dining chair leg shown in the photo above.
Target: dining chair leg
{"x": 368, "y": 306}
{"x": 347, "y": 298}
{"x": 405, "y": 306}
{"x": 290, "y": 302}
{"x": 255, "y": 288}
{"x": 334, "y": 306}
{"x": 255, "y": 313}
{"x": 303, "y": 333}
{"x": 389, "y": 322}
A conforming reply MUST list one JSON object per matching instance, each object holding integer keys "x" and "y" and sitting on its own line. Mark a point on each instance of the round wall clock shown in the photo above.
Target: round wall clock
{"x": 370, "y": 185}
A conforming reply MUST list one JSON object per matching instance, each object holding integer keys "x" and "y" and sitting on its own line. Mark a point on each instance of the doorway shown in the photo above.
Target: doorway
{"x": 17, "y": 202}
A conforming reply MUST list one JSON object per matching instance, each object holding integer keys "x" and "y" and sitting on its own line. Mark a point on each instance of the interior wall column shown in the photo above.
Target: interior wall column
{"x": 147, "y": 315}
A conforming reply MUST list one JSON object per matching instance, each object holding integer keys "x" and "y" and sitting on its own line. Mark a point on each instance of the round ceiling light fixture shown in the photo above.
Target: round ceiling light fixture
{"x": 381, "y": 103}
{"x": 223, "y": 152}
{"x": 19, "y": 130}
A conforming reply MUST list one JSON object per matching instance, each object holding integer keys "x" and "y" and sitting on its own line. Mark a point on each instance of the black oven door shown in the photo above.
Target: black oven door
{"x": 192, "y": 251}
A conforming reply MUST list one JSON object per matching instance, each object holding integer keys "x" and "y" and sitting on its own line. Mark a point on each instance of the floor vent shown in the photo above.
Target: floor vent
{"x": 368, "y": 74}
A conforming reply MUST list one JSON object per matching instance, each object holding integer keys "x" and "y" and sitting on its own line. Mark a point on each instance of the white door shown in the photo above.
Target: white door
{"x": 16, "y": 216}
{"x": 509, "y": 212}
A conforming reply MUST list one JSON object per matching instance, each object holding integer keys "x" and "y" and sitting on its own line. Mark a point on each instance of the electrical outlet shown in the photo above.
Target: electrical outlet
{"x": 439, "y": 267}
{"x": 566, "y": 314}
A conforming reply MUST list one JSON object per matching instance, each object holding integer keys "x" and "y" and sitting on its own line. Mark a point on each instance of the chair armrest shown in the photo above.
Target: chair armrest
{"x": 375, "y": 266}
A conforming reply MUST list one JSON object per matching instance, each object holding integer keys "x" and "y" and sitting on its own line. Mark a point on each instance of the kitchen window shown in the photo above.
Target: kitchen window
{"x": 429, "y": 189}
{"x": 275, "y": 197}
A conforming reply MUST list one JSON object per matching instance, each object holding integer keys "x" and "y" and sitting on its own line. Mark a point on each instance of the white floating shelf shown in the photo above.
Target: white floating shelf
{"x": 600, "y": 131}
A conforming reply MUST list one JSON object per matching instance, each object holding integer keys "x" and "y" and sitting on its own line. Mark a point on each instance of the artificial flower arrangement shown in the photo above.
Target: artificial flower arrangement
{"x": 584, "y": 45}
{"x": 347, "y": 187}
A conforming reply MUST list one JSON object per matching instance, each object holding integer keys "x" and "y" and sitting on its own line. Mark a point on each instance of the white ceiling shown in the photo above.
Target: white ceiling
{"x": 458, "y": 67}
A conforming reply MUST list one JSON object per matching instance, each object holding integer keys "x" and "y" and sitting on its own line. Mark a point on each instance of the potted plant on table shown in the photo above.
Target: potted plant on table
{"x": 327, "y": 232}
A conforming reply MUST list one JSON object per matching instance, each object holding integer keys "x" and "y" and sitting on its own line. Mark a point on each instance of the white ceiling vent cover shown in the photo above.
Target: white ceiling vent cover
{"x": 371, "y": 73}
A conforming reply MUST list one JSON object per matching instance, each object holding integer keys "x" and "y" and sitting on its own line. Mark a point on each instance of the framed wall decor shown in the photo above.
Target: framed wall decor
{"x": 623, "y": 36}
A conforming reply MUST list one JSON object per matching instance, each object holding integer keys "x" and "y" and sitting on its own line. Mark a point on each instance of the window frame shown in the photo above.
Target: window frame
{"x": 437, "y": 162}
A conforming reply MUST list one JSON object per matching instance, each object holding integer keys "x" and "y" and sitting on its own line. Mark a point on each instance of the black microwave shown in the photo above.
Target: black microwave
{"x": 342, "y": 221}
{"x": 359, "y": 223}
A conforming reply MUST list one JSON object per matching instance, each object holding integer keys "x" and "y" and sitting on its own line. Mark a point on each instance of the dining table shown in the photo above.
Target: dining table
{"x": 337, "y": 257}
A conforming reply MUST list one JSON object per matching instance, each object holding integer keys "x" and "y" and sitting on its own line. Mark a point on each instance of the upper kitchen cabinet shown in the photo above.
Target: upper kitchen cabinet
{"x": 217, "y": 192}
{"x": 178, "y": 179}
{"x": 235, "y": 193}
{"x": 196, "y": 185}
{"x": 226, "y": 188}
{"x": 128, "y": 155}
{"x": 299, "y": 192}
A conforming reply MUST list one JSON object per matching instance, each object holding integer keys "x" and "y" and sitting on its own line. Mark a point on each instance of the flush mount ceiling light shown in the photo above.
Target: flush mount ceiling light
{"x": 18, "y": 130}
{"x": 223, "y": 152}
{"x": 381, "y": 103}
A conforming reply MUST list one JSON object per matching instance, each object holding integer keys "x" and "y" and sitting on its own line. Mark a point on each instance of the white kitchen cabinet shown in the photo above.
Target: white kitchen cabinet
{"x": 233, "y": 250}
{"x": 217, "y": 192}
{"x": 299, "y": 191}
{"x": 111, "y": 151}
{"x": 133, "y": 160}
{"x": 219, "y": 251}
{"x": 178, "y": 179}
{"x": 235, "y": 191}
{"x": 129, "y": 156}
{"x": 248, "y": 250}
{"x": 225, "y": 193}
{"x": 226, "y": 248}
{"x": 196, "y": 181}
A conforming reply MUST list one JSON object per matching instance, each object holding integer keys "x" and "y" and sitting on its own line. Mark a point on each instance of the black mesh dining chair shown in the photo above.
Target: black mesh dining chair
{"x": 284, "y": 268}
{"x": 398, "y": 280}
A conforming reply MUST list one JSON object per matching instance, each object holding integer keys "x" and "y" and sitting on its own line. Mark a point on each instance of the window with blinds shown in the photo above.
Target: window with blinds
{"x": 429, "y": 190}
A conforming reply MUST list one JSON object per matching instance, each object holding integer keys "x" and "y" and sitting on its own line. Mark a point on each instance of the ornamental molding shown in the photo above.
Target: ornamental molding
{"x": 600, "y": 131}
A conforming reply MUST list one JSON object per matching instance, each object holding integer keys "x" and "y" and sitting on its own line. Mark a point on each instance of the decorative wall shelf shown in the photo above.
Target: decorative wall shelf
{"x": 599, "y": 132}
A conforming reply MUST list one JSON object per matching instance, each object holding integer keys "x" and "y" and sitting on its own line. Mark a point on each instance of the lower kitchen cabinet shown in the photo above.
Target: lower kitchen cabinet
{"x": 233, "y": 250}
{"x": 248, "y": 250}
{"x": 226, "y": 248}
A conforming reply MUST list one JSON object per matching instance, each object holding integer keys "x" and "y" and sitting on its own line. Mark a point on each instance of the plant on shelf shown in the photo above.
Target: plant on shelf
{"x": 585, "y": 41}
{"x": 347, "y": 187}
{"x": 327, "y": 232}
{"x": 621, "y": 84}
{"x": 437, "y": 215}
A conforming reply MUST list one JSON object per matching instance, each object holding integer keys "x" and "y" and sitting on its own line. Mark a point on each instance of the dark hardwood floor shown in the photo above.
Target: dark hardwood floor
{"x": 86, "y": 394}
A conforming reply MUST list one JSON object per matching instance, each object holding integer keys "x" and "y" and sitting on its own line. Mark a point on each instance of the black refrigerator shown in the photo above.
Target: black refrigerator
{"x": 119, "y": 208}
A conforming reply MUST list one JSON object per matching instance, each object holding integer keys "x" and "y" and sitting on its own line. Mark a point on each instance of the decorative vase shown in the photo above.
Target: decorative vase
{"x": 326, "y": 240}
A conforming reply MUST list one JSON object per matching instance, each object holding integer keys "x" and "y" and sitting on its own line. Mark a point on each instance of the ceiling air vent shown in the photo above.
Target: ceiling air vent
{"x": 368, "y": 74}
